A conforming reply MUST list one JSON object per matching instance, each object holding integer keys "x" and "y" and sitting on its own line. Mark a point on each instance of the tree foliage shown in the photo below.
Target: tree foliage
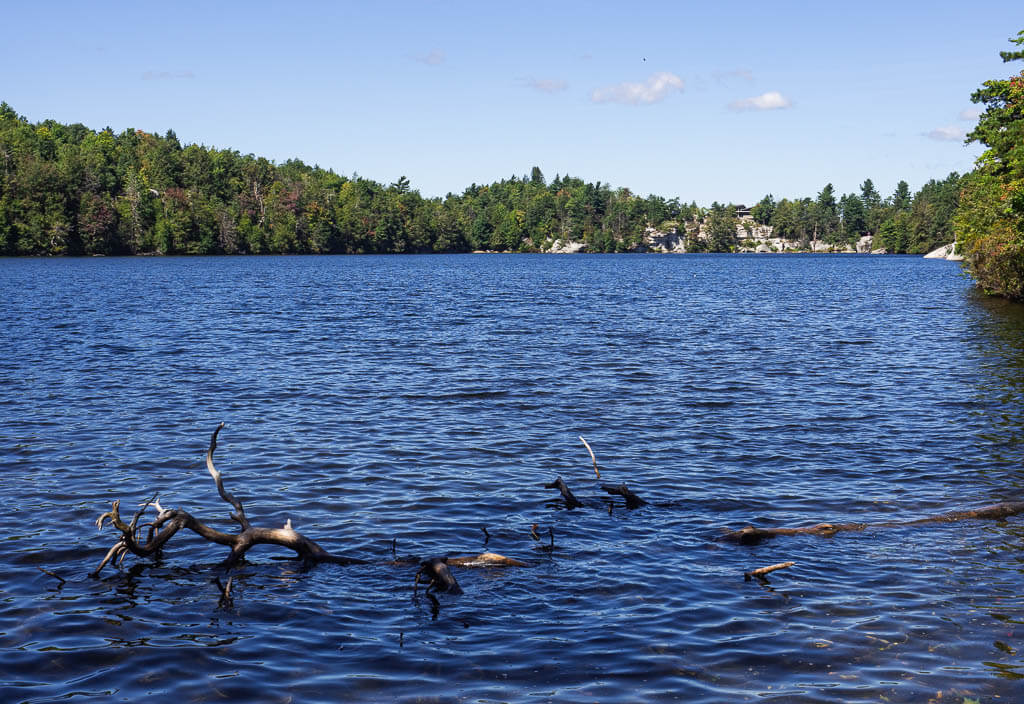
{"x": 990, "y": 220}
{"x": 67, "y": 189}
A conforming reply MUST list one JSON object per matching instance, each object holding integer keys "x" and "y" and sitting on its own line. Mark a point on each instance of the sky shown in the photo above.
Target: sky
{"x": 705, "y": 101}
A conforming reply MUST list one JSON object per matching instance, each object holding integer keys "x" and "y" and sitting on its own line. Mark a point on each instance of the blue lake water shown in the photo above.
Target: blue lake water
{"x": 421, "y": 399}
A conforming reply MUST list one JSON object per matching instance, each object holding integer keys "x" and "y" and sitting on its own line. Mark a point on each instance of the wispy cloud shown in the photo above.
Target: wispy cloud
{"x": 435, "y": 57}
{"x": 167, "y": 75}
{"x": 653, "y": 90}
{"x": 772, "y": 100}
{"x": 547, "y": 85}
{"x": 970, "y": 114}
{"x": 946, "y": 134}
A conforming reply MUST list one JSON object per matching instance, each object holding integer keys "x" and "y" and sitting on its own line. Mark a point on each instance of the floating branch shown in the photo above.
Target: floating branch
{"x": 486, "y": 559}
{"x": 760, "y": 572}
{"x": 570, "y": 499}
{"x": 592, "y": 456}
{"x": 169, "y": 521}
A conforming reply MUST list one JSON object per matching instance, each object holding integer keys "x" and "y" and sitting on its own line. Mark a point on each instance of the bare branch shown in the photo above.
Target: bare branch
{"x": 592, "y": 456}
{"x": 52, "y": 574}
{"x": 239, "y": 514}
{"x": 169, "y": 521}
{"x": 760, "y": 572}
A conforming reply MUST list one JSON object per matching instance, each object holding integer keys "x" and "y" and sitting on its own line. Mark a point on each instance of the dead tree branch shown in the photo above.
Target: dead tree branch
{"x": 570, "y": 499}
{"x": 592, "y": 456}
{"x": 169, "y": 521}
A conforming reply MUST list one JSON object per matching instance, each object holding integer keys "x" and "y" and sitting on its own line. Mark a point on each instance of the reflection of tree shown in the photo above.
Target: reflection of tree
{"x": 1000, "y": 375}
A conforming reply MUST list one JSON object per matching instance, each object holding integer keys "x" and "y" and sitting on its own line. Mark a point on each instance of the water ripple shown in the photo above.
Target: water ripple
{"x": 409, "y": 403}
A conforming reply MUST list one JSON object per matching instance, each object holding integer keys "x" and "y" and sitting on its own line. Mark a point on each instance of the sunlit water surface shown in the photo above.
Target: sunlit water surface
{"x": 421, "y": 399}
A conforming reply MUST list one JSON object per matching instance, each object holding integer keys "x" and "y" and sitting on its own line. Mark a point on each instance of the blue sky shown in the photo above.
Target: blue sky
{"x": 700, "y": 101}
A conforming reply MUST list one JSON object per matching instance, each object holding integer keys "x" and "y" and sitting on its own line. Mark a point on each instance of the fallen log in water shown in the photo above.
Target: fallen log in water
{"x": 169, "y": 521}
{"x": 751, "y": 535}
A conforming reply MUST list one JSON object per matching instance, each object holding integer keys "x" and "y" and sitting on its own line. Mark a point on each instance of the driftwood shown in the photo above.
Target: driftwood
{"x": 760, "y": 572}
{"x": 570, "y": 499}
{"x": 592, "y": 455}
{"x": 169, "y": 521}
{"x": 751, "y": 535}
{"x": 632, "y": 500}
{"x": 435, "y": 572}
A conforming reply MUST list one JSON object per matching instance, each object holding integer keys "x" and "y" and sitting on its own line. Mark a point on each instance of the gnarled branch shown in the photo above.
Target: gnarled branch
{"x": 169, "y": 521}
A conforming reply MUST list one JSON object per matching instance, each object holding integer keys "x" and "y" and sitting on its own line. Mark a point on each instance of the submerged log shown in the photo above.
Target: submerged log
{"x": 993, "y": 512}
{"x": 751, "y": 535}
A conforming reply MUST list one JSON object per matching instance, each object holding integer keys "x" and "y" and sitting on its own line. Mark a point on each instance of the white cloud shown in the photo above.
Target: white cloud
{"x": 434, "y": 58}
{"x": 946, "y": 134}
{"x": 547, "y": 85}
{"x": 653, "y": 90}
{"x": 772, "y": 100}
{"x": 166, "y": 75}
{"x": 970, "y": 114}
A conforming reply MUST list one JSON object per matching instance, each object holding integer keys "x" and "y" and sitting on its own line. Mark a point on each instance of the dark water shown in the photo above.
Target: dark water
{"x": 422, "y": 398}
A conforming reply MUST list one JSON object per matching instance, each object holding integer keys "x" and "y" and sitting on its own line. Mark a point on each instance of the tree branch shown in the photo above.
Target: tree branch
{"x": 169, "y": 521}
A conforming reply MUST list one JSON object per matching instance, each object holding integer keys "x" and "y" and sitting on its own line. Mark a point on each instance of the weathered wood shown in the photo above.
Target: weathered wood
{"x": 438, "y": 576}
{"x": 593, "y": 457}
{"x": 570, "y": 499}
{"x": 169, "y": 521}
{"x": 632, "y": 500}
{"x": 751, "y": 535}
{"x": 760, "y": 572}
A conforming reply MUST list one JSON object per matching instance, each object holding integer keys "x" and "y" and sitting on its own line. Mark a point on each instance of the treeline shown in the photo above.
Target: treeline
{"x": 70, "y": 190}
{"x": 990, "y": 221}
{"x": 66, "y": 189}
{"x": 901, "y": 223}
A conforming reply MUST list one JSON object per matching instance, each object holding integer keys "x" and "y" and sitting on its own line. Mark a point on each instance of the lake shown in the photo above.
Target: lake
{"x": 409, "y": 402}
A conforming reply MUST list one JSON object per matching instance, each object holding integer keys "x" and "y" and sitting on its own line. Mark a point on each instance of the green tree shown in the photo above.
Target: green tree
{"x": 721, "y": 225}
{"x": 990, "y": 219}
{"x": 763, "y": 211}
{"x": 826, "y": 215}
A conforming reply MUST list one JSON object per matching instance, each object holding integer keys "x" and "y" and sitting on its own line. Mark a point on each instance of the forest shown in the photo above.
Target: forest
{"x": 72, "y": 190}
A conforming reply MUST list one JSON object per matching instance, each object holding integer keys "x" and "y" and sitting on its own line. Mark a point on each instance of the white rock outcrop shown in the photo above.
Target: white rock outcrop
{"x": 947, "y": 252}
